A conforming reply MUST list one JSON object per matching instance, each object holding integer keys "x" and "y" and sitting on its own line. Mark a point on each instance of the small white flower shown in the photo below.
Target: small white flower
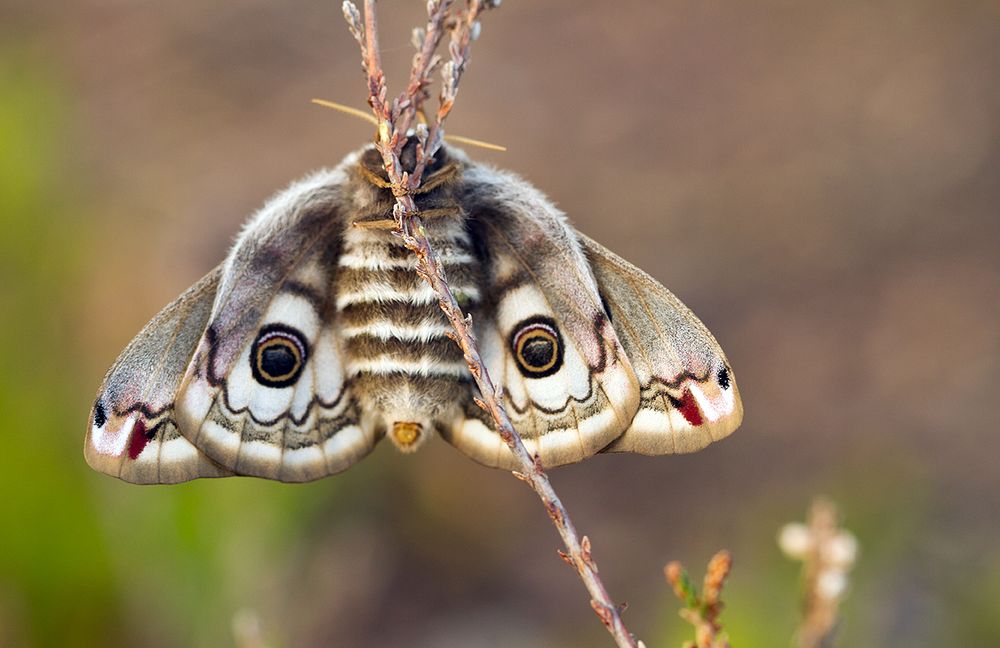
{"x": 842, "y": 550}
{"x": 795, "y": 540}
{"x": 831, "y": 584}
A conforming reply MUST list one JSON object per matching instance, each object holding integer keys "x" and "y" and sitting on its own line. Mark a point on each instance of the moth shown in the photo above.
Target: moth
{"x": 316, "y": 338}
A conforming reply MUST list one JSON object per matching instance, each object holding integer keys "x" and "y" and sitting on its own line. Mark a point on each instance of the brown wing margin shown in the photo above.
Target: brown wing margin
{"x": 132, "y": 433}
{"x": 689, "y": 396}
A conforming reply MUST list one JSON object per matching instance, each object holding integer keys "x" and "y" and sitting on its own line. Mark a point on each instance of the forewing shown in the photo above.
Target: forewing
{"x": 132, "y": 433}
{"x": 265, "y": 394}
{"x": 689, "y": 393}
{"x": 543, "y": 333}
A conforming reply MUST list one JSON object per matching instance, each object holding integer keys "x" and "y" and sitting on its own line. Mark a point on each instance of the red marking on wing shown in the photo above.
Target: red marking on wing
{"x": 139, "y": 439}
{"x": 689, "y": 408}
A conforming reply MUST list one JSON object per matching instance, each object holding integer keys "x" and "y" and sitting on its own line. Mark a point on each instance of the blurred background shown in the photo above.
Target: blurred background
{"x": 819, "y": 181}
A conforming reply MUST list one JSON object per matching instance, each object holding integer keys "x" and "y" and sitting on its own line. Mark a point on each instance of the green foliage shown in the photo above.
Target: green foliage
{"x": 52, "y": 556}
{"x": 687, "y": 589}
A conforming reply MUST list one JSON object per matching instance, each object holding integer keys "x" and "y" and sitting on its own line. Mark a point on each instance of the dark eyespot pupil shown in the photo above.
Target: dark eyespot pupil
{"x": 537, "y": 347}
{"x": 278, "y": 360}
{"x": 100, "y": 416}
{"x": 278, "y": 355}
{"x": 538, "y": 351}
{"x": 723, "y": 378}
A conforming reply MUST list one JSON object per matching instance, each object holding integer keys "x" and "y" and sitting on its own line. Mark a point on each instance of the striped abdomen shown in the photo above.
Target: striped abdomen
{"x": 405, "y": 371}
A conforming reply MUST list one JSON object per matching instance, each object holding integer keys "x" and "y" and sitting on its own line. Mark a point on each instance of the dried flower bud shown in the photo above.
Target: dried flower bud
{"x": 475, "y": 31}
{"x": 449, "y": 80}
{"x": 417, "y": 37}
{"x": 353, "y": 18}
{"x": 718, "y": 569}
{"x": 673, "y": 572}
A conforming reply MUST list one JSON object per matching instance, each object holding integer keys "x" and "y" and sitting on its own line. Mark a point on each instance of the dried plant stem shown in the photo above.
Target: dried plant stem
{"x": 702, "y": 611}
{"x": 393, "y": 122}
{"x": 828, "y": 553}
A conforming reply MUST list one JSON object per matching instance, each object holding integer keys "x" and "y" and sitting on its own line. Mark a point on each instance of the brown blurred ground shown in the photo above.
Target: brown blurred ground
{"x": 819, "y": 181}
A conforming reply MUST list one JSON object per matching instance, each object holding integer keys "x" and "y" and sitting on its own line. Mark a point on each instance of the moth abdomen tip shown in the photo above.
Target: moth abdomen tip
{"x": 407, "y": 435}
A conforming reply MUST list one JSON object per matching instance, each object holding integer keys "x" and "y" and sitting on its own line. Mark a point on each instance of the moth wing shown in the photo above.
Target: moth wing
{"x": 265, "y": 393}
{"x": 689, "y": 396}
{"x": 133, "y": 433}
{"x": 541, "y": 297}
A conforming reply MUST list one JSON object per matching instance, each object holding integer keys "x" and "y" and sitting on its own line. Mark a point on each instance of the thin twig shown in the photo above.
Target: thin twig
{"x": 391, "y": 138}
{"x": 425, "y": 61}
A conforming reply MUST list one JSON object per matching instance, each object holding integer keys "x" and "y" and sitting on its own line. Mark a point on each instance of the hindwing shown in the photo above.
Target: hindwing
{"x": 543, "y": 332}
